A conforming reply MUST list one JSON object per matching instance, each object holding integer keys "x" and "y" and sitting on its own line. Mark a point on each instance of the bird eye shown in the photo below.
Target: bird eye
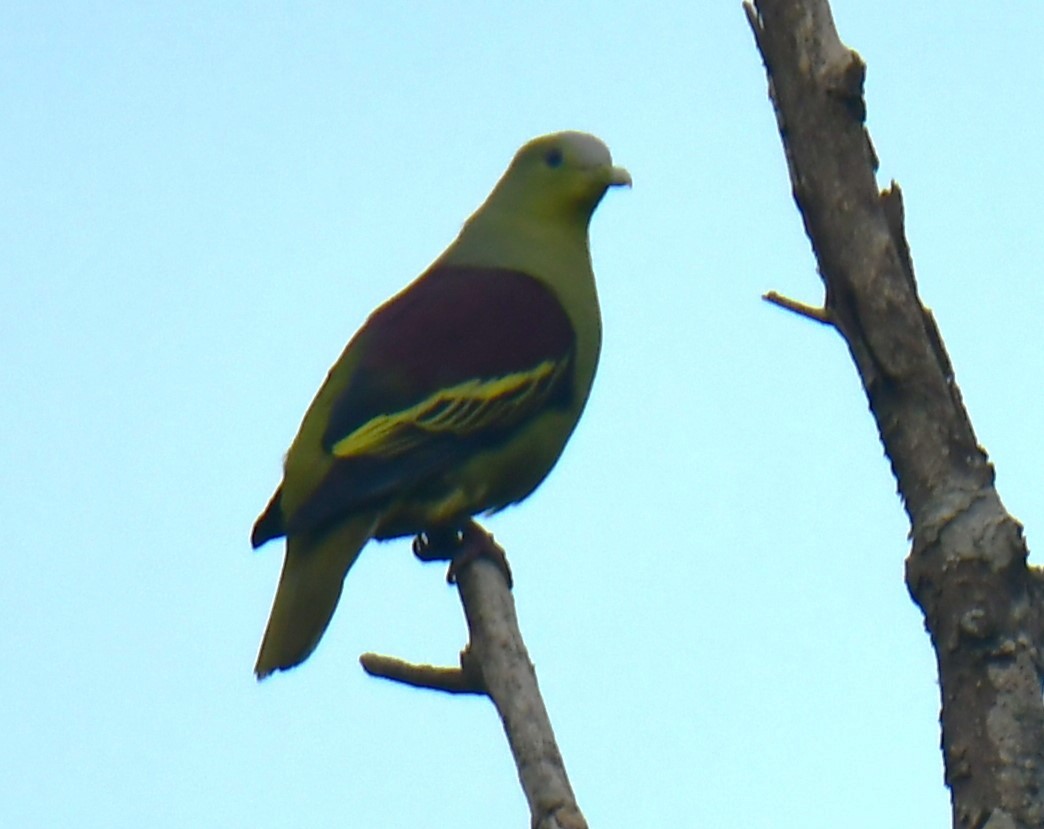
{"x": 553, "y": 157}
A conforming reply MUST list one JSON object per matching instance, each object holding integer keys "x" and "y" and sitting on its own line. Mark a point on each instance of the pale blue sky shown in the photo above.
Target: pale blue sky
{"x": 198, "y": 206}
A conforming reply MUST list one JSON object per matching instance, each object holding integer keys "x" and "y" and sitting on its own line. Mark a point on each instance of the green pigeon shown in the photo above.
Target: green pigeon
{"x": 457, "y": 395}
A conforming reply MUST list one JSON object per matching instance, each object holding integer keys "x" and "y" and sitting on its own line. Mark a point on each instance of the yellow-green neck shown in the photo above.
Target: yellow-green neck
{"x": 554, "y": 252}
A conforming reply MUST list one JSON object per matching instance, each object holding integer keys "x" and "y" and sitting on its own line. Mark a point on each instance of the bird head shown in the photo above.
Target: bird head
{"x": 561, "y": 175}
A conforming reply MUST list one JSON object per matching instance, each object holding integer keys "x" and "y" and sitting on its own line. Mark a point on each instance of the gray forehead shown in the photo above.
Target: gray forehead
{"x": 587, "y": 150}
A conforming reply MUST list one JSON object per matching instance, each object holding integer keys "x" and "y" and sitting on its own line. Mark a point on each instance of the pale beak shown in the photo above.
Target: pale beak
{"x": 619, "y": 177}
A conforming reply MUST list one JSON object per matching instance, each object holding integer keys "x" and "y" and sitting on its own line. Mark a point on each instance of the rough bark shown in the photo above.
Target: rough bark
{"x": 967, "y": 567}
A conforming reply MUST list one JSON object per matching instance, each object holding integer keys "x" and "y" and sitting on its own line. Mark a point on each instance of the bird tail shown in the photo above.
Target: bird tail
{"x": 309, "y": 588}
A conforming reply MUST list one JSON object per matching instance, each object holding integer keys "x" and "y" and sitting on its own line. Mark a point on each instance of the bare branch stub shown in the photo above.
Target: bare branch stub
{"x": 820, "y": 315}
{"x": 462, "y": 680}
{"x": 967, "y": 568}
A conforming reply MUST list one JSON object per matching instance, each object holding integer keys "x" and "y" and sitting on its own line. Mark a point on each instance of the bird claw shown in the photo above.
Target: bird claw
{"x": 460, "y": 548}
{"x": 476, "y": 543}
{"x": 437, "y": 545}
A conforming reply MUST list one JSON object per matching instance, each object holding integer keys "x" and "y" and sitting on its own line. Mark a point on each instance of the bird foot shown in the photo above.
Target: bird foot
{"x": 440, "y": 544}
{"x": 460, "y": 548}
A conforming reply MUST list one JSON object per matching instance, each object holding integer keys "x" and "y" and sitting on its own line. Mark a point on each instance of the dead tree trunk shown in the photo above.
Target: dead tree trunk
{"x": 967, "y": 566}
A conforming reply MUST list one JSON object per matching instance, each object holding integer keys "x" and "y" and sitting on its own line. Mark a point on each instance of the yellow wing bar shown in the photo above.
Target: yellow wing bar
{"x": 461, "y": 410}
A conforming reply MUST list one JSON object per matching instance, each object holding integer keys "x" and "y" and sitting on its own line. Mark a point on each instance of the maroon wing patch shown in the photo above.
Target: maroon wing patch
{"x": 451, "y": 325}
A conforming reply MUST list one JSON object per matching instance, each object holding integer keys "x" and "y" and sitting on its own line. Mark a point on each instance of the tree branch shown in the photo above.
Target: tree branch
{"x": 496, "y": 663}
{"x": 967, "y": 566}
